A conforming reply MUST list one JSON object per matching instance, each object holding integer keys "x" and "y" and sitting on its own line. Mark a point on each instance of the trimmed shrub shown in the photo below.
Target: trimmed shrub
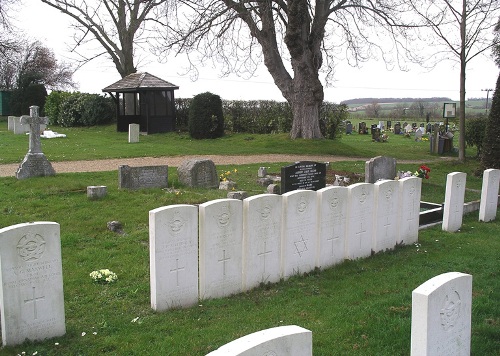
{"x": 332, "y": 117}
{"x": 96, "y": 110}
{"x": 206, "y": 119}
{"x": 22, "y": 99}
{"x": 82, "y": 109}
{"x": 53, "y": 105}
{"x": 490, "y": 157}
{"x": 475, "y": 130}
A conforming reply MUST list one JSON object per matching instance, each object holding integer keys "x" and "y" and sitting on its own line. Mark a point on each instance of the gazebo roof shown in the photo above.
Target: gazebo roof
{"x": 139, "y": 81}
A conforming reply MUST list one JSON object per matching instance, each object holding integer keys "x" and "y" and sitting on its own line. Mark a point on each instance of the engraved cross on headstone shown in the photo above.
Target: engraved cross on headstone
{"x": 34, "y": 120}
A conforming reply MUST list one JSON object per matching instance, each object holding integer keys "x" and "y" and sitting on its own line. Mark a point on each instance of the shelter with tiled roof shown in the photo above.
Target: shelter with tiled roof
{"x": 144, "y": 99}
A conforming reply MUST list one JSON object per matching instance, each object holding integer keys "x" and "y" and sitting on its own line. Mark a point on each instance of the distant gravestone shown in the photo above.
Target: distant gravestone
{"x": 96, "y": 191}
{"x": 35, "y": 164}
{"x": 489, "y": 195}
{"x": 397, "y": 129}
{"x": 410, "y": 191}
{"x": 31, "y": 298}
{"x": 133, "y": 133}
{"x": 11, "y": 121}
{"x": 389, "y": 124}
{"x": 441, "y": 316}
{"x": 173, "y": 256}
{"x": 332, "y": 210}
{"x": 348, "y": 128}
{"x": 454, "y": 201}
{"x": 220, "y": 243}
{"x": 303, "y": 175}
{"x": 386, "y": 210}
{"x": 198, "y": 173}
{"x": 142, "y": 177}
{"x": 362, "y": 128}
{"x": 299, "y": 232}
{"x": 359, "y": 231}
{"x": 380, "y": 167}
{"x": 418, "y": 135}
{"x": 290, "y": 340}
{"x": 261, "y": 240}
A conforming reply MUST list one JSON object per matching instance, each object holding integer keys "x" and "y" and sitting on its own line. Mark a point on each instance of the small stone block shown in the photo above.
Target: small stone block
{"x": 273, "y": 189}
{"x": 262, "y": 172}
{"x": 240, "y": 195}
{"x": 264, "y": 181}
{"x": 227, "y": 185}
{"x": 97, "y": 191}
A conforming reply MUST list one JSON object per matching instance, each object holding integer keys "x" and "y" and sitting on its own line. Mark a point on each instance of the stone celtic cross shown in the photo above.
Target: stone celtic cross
{"x": 34, "y": 120}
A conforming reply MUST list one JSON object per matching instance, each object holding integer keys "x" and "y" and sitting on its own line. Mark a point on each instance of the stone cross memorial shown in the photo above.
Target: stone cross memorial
{"x": 441, "y": 316}
{"x": 31, "y": 298}
{"x": 35, "y": 164}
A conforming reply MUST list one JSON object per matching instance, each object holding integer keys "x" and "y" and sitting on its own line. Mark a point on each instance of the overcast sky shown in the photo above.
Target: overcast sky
{"x": 372, "y": 80}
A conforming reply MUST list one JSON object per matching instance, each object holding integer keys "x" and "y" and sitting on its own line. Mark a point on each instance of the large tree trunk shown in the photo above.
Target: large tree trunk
{"x": 463, "y": 63}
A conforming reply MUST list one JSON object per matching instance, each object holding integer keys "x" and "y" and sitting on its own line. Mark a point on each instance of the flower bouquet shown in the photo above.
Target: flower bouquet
{"x": 103, "y": 276}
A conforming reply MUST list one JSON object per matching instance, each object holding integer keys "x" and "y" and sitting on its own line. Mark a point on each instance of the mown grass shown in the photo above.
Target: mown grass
{"x": 360, "y": 307}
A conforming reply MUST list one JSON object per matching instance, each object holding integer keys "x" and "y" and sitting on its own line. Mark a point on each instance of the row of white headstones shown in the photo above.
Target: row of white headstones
{"x": 227, "y": 246}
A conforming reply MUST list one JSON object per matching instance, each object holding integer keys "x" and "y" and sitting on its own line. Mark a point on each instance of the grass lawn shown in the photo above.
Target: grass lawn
{"x": 360, "y": 307}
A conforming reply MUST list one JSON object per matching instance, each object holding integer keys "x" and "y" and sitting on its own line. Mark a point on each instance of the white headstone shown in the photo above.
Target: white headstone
{"x": 288, "y": 340}
{"x": 133, "y": 133}
{"x": 11, "y": 120}
{"x": 31, "y": 298}
{"x": 300, "y": 232}
{"x": 359, "y": 233}
{"x": 261, "y": 240}
{"x": 454, "y": 201}
{"x": 220, "y": 241}
{"x": 18, "y": 128}
{"x": 173, "y": 256}
{"x": 386, "y": 210}
{"x": 409, "y": 209}
{"x": 489, "y": 195}
{"x": 441, "y": 316}
{"x": 332, "y": 208}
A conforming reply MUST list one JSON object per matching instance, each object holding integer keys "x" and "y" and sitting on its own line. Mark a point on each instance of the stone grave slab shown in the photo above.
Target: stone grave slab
{"x": 303, "y": 175}
{"x": 454, "y": 201}
{"x": 489, "y": 195}
{"x": 299, "y": 232}
{"x": 410, "y": 191}
{"x": 332, "y": 212}
{"x": 142, "y": 177}
{"x": 290, "y": 340}
{"x": 441, "y": 316}
{"x": 359, "y": 232}
{"x": 133, "y": 133}
{"x": 261, "y": 240}
{"x": 173, "y": 256}
{"x": 380, "y": 167}
{"x": 198, "y": 173}
{"x": 220, "y": 246}
{"x": 386, "y": 214}
{"x": 31, "y": 298}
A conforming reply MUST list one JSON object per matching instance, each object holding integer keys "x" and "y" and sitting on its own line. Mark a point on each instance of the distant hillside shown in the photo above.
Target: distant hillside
{"x": 361, "y": 101}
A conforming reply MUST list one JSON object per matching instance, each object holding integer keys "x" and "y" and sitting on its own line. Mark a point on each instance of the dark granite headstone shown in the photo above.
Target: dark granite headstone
{"x": 362, "y": 128}
{"x": 142, "y": 177}
{"x": 303, "y": 175}
{"x": 397, "y": 129}
{"x": 348, "y": 128}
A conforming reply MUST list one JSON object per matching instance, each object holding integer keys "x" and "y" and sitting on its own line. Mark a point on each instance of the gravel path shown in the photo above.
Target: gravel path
{"x": 9, "y": 170}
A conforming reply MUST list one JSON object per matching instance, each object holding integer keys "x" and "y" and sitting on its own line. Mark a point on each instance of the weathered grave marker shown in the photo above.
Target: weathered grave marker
{"x": 198, "y": 173}
{"x": 220, "y": 243}
{"x": 133, "y": 133}
{"x": 299, "y": 232}
{"x": 11, "y": 121}
{"x": 303, "y": 175}
{"x": 386, "y": 212}
{"x": 288, "y": 340}
{"x": 173, "y": 256}
{"x": 454, "y": 201}
{"x": 31, "y": 298}
{"x": 441, "y": 316}
{"x": 380, "y": 167}
{"x": 489, "y": 195}
{"x": 261, "y": 240}
{"x": 332, "y": 208}
{"x": 142, "y": 177}
{"x": 359, "y": 233}
{"x": 35, "y": 164}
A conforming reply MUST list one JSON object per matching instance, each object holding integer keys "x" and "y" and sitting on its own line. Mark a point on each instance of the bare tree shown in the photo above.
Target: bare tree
{"x": 296, "y": 39}
{"x": 7, "y": 39}
{"x": 463, "y": 30}
{"x": 372, "y": 110}
{"x": 117, "y": 25}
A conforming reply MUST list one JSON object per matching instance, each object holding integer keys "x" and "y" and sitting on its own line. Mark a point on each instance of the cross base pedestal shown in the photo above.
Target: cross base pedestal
{"x": 34, "y": 165}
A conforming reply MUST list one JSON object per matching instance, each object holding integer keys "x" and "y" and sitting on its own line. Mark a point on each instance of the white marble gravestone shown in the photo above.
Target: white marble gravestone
{"x": 299, "y": 232}
{"x": 173, "y": 256}
{"x": 11, "y": 121}
{"x": 31, "y": 298}
{"x": 290, "y": 340}
{"x": 410, "y": 191}
{"x": 261, "y": 240}
{"x": 359, "y": 232}
{"x": 133, "y": 133}
{"x": 220, "y": 246}
{"x": 386, "y": 213}
{"x": 441, "y": 316}
{"x": 489, "y": 195}
{"x": 454, "y": 201}
{"x": 332, "y": 214}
